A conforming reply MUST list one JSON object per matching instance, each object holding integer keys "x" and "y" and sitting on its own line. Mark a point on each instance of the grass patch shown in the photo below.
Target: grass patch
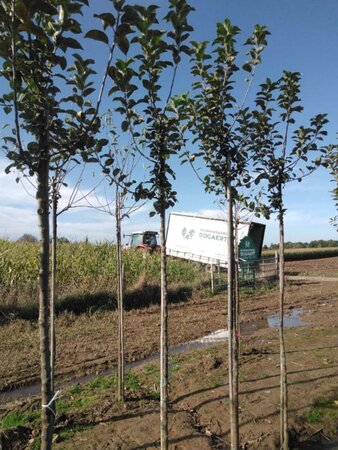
{"x": 151, "y": 369}
{"x": 18, "y": 418}
{"x": 154, "y": 395}
{"x": 102, "y": 382}
{"x": 324, "y": 412}
{"x": 133, "y": 381}
{"x": 36, "y": 445}
{"x": 83, "y": 397}
{"x": 63, "y": 406}
{"x": 264, "y": 375}
{"x": 84, "y": 402}
{"x": 75, "y": 390}
{"x": 64, "y": 435}
{"x": 13, "y": 420}
{"x": 211, "y": 351}
{"x": 174, "y": 365}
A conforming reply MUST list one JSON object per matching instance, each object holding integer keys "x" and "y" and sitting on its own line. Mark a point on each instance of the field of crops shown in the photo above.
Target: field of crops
{"x": 299, "y": 254}
{"x": 83, "y": 267}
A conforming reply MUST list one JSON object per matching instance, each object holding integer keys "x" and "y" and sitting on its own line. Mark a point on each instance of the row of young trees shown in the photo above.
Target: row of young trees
{"x": 56, "y": 120}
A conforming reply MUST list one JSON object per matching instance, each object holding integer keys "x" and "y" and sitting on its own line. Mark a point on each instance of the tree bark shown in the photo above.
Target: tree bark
{"x": 237, "y": 299}
{"x": 284, "y": 444}
{"x": 236, "y": 324}
{"x": 164, "y": 338}
{"x": 53, "y": 285}
{"x": 119, "y": 298}
{"x": 42, "y": 197}
{"x": 233, "y": 336}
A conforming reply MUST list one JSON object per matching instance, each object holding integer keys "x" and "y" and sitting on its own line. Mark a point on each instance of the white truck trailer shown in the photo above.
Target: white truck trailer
{"x": 204, "y": 239}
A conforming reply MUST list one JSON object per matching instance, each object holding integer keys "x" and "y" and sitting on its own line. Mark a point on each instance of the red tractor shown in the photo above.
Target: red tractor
{"x": 144, "y": 240}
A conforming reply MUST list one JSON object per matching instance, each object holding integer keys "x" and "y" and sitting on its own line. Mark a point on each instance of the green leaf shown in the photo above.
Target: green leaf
{"x": 71, "y": 43}
{"x": 125, "y": 125}
{"x": 247, "y": 67}
{"x": 130, "y": 15}
{"x": 109, "y": 162}
{"x": 123, "y": 44}
{"x": 8, "y": 168}
{"x": 97, "y": 35}
{"x": 62, "y": 62}
{"x": 47, "y": 8}
{"x": 88, "y": 91}
{"x": 103, "y": 142}
{"x": 118, "y": 4}
{"x": 108, "y": 19}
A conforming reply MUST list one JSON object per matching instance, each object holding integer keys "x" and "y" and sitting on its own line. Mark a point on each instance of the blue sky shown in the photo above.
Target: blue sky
{"x": 304, "y": 38}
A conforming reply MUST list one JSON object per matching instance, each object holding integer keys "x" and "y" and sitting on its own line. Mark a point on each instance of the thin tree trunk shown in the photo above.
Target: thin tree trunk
{"x": 119, "y": 298}
{"x": 284, "y": 445}
{"x": 237, "y": 322}
{"x": 164, "y": 433}
{"x": 42, "y": 197}
{"x": 164, "y": 339}
{"x": 233, "y": 338}
{"x": 53, "y": 285}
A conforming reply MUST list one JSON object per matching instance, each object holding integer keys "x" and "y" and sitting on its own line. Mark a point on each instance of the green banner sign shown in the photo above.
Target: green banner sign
{"x": 247, "y": 250}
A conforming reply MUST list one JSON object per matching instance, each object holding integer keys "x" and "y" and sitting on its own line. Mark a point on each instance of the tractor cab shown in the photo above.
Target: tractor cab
{"x": 144, "y": 240}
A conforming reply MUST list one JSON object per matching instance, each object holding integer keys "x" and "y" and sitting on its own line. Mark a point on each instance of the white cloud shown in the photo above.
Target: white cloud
{"x": 205, "y": 212}
{"x": 15, "y": 221}
{"x": 304, "y": 218}
{"x": 216, "y": 213}
{"x": 18, "y": 211}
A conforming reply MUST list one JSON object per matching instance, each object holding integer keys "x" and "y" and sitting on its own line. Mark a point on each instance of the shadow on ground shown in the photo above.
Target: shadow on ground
{"x": 99, "y": 301}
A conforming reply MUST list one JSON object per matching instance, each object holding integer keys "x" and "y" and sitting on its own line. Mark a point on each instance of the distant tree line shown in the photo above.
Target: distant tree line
{"x": 321, "y": 243}
{"x": 33, "y": 239}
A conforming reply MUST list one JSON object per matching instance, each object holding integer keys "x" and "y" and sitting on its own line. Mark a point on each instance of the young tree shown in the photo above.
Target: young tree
{"x": 116, "y": 28}
{"x": 284, "y": 153}
{"x": 118, "y": 166}
{"x": 37, "y": 39}
{"x": 159, "y": 137}
{"x": 59, "y": 175}
{"x": 223, "y": 132}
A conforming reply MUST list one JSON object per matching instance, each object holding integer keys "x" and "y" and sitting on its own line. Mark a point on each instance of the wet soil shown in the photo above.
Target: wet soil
{"x": 198, "y": 390}
{"x": 87, "y": 343}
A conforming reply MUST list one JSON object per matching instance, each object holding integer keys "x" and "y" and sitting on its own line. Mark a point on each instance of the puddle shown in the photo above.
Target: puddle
{"x": 214, "y": 338}
{"x": 35, "y": 389}
{"x": 291, "y": 319}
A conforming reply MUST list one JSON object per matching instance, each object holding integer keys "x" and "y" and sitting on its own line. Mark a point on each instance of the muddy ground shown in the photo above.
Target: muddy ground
{"x": 198, "y": 392}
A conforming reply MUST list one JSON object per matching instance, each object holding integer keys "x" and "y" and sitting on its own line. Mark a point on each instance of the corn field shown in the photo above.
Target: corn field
{"x": 83, "y": 267}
